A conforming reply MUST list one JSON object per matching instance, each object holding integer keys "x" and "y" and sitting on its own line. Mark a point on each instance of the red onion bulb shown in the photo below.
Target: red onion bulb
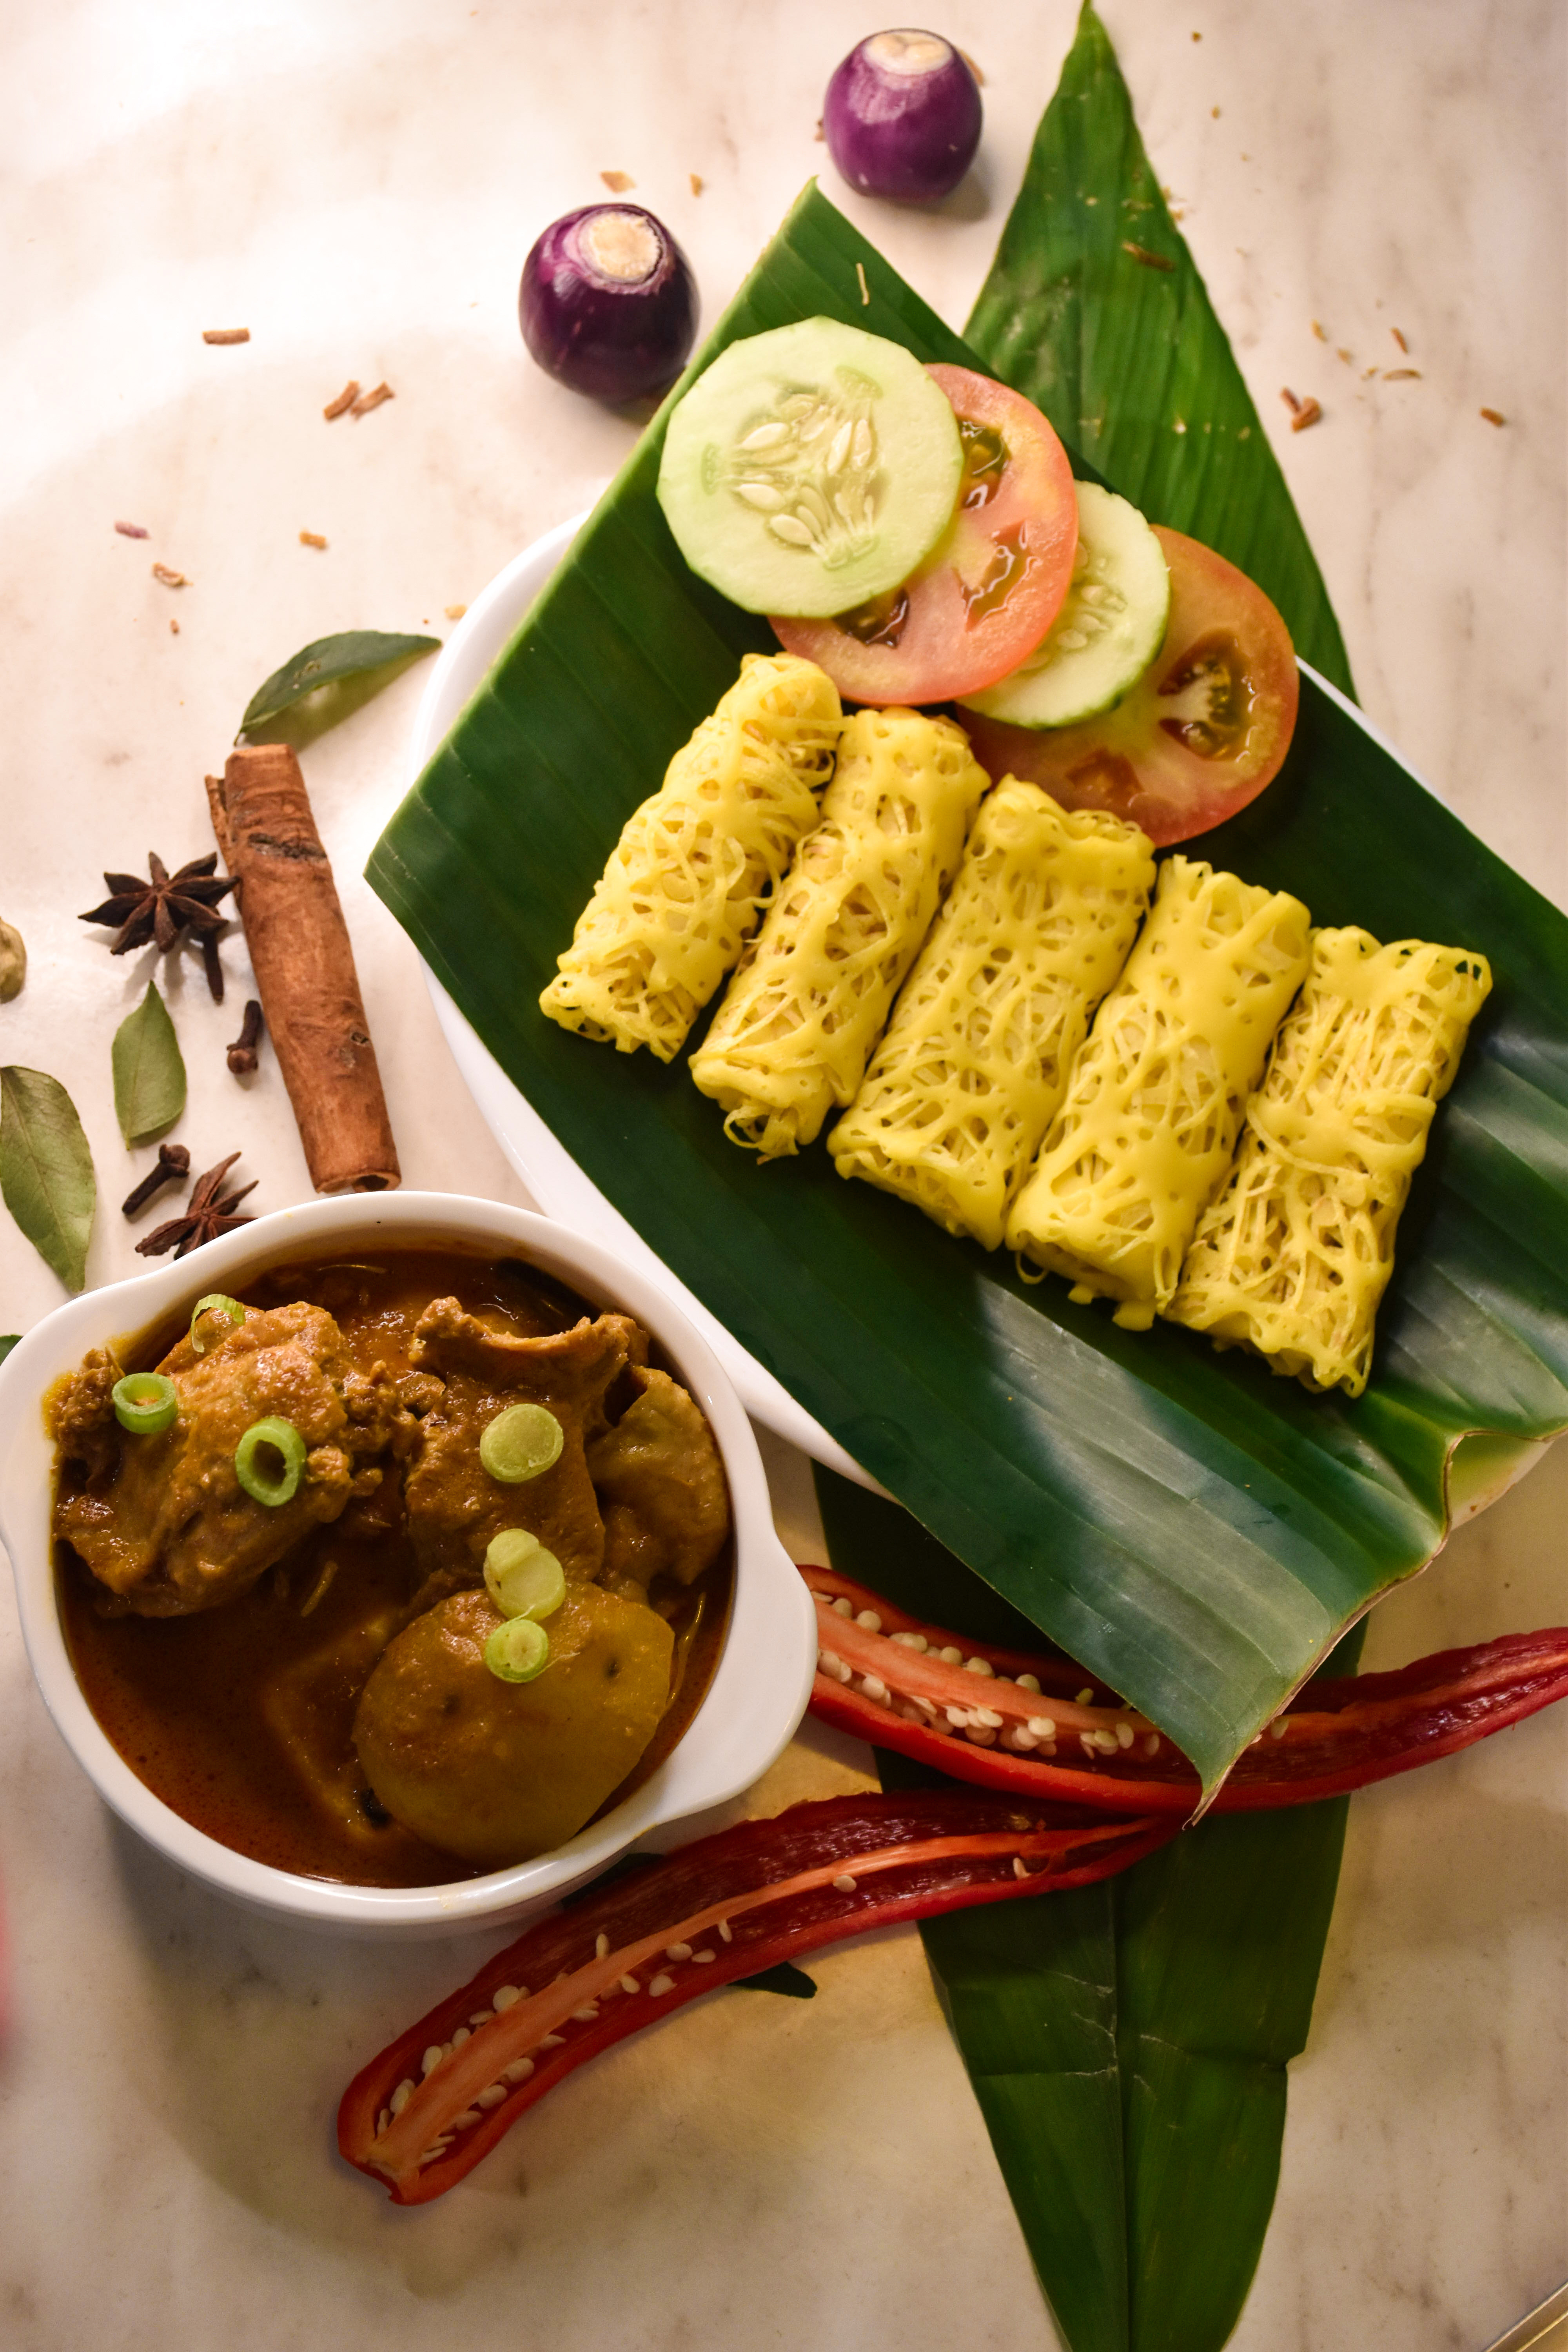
{"x": 608, "y": 304}
{"x": 902, "y": 117}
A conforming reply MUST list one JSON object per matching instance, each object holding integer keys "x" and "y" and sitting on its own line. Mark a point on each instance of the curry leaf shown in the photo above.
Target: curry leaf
{"x": 8, "y": 1341}
{"x": 149, "y": 1069}
{"x": 328, "y": 661}
{"x": 46, "y": 1169}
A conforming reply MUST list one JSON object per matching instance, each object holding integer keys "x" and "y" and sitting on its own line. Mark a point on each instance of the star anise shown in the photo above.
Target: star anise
{"x": 207, "y": 1213}
{"x": 167, "y": 904}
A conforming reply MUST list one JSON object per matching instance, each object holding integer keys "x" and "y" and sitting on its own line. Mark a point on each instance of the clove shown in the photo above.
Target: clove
{"x": 174, "y": 1167}
{"x": 242, "y": 1052}
{"x": 212, "y": 967}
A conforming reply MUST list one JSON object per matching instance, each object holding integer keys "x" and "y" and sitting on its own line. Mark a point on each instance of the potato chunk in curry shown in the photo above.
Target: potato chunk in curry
{"x": 499, "y": 1771}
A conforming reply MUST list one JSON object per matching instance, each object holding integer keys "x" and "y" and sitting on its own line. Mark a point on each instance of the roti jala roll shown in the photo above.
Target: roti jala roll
{"x": 1294, "y": 1256}
{"x": 1155, "y": 1098}
{"x": 791, "y": 1040}
{"x": 686, "y": 883}
{"x": 975, "y": 1061}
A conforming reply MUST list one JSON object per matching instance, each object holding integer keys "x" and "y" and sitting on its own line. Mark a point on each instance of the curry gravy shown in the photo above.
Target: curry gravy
{"x": 240, "y": 1717}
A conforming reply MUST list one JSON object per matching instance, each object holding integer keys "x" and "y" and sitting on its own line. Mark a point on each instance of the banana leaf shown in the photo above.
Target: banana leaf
{"x": 1196, "y": 1533}
{"x": 1128, "y": 2042}
{"x": 1094, "y": 309}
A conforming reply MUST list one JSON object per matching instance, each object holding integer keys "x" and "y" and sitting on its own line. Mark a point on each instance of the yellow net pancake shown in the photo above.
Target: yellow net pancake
{"x": 975, "y": 1062}
{"x": 687, "y": 881}
{"x": 1144, "y": 1137}
{"x": 1294, "y": 1256}
{"x": 792, "y": 1037}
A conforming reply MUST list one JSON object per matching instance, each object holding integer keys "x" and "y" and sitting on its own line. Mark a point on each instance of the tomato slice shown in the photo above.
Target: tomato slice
{"x": 1204, "y": 729}
{"x": 992, "y": 586}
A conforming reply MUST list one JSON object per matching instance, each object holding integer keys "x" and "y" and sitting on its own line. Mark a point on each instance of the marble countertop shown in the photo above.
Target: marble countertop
{"x": 357, "y": 184}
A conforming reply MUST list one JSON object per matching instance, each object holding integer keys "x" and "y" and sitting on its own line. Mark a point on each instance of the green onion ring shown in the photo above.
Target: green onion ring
{"x": 521, "y": 1577}
{"x": 284, "y": 1439}
{"x": 518, "y": 1651}
{"x": 145, "y": 1403}
{"x": 522, "y": 1443}
{"x": 217, "y": 1302}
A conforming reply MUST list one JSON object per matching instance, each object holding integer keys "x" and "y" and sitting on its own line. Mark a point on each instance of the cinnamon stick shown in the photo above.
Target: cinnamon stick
{"x": 304, "y": 968}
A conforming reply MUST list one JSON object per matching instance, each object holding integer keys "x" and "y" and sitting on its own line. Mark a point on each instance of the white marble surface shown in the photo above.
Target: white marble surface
{"x": 357, "y": 184}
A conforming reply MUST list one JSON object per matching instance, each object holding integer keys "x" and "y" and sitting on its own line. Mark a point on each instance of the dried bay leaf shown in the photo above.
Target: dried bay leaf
{"x": 46, "y": 1169}
{"x": 13, "y": 962}
{"x": 331, "y": 661}
{"x": 149, "y": 1070}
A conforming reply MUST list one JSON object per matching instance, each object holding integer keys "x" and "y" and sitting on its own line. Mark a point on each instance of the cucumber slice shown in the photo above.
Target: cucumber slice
{"x": 1109, "y": 630}
{"x": 810, "y": 470}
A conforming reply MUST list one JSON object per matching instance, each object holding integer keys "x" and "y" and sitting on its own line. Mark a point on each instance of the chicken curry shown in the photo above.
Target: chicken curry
{"x": 392, "y": 1572}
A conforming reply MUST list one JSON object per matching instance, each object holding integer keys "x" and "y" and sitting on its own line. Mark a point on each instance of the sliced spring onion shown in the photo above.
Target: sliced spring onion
{"x": 518, "y": 1651}
{"x": 217, "y": 1302}
{"x": 145, "y": 1403}
{"x": 521, "y": 1577}
{"x": 278, "y": 1436}
{"x": 520, "y": 1443}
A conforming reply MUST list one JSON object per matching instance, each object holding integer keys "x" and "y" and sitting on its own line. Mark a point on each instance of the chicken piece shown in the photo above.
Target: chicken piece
{"x": 661, "y": 1487}
{"x": 454, "y": 1506}
{"x": 163, "y": 1521}
{"x": 499, "y": 1771}
{"x": 79, "y": 1411}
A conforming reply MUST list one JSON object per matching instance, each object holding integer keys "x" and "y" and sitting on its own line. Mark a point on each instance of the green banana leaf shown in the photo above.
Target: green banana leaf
{"x": 1127, "y": 2042}
{"x": 1095, "y": 310}
{"x": 1196, "y": 1533}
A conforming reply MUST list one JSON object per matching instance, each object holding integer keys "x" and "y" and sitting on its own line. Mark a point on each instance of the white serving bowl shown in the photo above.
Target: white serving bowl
{"x": 753, "y": 1703}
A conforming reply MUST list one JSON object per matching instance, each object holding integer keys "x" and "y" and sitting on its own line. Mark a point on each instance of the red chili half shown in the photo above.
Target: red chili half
{"x": 1037, "y": 1726}
{"x": 423, "y": 2112}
